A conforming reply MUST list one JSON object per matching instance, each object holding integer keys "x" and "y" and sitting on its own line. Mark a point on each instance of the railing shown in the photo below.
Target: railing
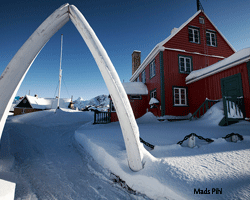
{"x": 101, "y": 117}
{"x": 233, "y": 107}
{"x": 203, "y": 108}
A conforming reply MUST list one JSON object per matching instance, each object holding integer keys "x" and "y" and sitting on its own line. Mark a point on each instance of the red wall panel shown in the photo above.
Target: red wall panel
{"x": 173, "y": 77}
{"x": 181, "y": 41}
{"x": 210, "y": 87}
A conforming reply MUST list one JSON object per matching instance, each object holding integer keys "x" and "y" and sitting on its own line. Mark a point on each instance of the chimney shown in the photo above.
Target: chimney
{"x": 136, "y": 61}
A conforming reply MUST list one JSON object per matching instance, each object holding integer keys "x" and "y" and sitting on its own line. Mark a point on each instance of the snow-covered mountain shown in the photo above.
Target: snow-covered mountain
{"x": 100, "y": 103}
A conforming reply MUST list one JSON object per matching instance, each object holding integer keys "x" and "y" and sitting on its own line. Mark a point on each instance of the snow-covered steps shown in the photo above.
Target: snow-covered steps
{"x": 207, "y": 104}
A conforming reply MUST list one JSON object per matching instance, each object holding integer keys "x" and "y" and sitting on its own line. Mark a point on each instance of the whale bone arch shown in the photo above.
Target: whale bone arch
{"x": 14, "y": 73}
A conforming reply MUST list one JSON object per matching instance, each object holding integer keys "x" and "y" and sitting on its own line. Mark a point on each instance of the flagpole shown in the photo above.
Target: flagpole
{"x": 60, "y": 73}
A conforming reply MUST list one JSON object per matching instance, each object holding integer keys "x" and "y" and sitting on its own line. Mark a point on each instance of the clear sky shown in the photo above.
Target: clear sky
{"x": 121, "y": 26}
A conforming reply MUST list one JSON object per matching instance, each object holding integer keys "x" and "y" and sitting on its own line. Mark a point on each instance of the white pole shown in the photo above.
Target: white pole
{"x": 60, "y": 73}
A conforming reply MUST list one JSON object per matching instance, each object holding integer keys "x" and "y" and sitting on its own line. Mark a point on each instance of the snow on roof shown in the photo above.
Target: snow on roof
{"x": 233, "y": 60}
{"x": 159, "y": 47}
{"x": 135, "y": 88}
{"x": 153, "y": 101}
{"x": 46, "y": 103}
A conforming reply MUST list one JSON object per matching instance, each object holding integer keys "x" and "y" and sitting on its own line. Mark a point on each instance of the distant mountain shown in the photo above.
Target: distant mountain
{"x": 100, "y": 103}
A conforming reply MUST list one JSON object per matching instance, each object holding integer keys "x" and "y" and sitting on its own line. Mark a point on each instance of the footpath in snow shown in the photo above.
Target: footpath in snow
{"x": 44, "y": 163}
{"x": 172, "y": 171}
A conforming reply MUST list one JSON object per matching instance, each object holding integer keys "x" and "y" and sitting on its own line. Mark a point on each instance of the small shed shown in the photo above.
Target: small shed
{"x": 34, "y": 103}
{"x": 228, "y": 79}
{"x": 138, "y": 97}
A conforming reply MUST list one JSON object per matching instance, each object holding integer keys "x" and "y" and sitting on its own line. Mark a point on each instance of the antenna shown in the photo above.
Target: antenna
{"x": 60, "y": 73}
{"x": 199, "y": 6}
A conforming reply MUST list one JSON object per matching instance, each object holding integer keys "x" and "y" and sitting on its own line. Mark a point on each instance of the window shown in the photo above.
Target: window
{"x": 152, "y": 69}
{"x": 185, "y": 64}
{"x": 135, "y": 97}
{"x": 201, "y": 20}
{"x": 180, "y": 96}
{"x": 138, "y": 79}
{"x": 194, "y": 34}
{"x": 211, "y": 38}
{"x": 143, "y": 76}
{"x": 153, "y": 94}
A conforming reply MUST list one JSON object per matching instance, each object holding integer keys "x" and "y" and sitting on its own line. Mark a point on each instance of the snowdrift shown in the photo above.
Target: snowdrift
{"x": 173, "y": 171}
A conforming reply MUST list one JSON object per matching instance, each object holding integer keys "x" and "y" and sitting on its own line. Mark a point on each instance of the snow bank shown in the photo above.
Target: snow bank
{"x": 173, "y": 171}
{"x": 108, "y": 149}
{"x": 215, "y": 114}
{"x": 147, "y": 118}
{"x": 54, "y": 117}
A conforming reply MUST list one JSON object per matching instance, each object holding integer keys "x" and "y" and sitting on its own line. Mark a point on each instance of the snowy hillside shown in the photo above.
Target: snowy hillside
{"x": 100, "y": 103}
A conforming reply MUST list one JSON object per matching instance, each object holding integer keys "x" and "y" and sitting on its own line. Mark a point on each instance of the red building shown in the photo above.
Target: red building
{"x": 227, "y": 80}
{"x": 138, "y": 97}
{"x": 195, "y": 46}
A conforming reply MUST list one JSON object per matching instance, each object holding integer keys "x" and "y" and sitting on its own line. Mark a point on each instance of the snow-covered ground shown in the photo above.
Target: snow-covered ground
{"x": 45, "y": 163}
{"x": 172, "y": 171}
{"x": 63, "y": 155}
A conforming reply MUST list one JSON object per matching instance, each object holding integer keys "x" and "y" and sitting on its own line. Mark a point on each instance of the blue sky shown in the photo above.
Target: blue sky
{"x": 121, "y": 26}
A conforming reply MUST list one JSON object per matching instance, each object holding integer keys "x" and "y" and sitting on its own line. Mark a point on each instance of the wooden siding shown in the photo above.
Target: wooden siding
{"x": 181, "y": 40}
{"x": 19, "y": 111}
{"x": 154, "y": 83}
{"x": 174, "y": 78}
{"x": 210, "y": 87}
{"x": 139, "y": 107}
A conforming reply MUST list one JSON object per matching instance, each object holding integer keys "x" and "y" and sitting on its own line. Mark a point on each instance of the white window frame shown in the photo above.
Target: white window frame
{"x": 210, "y": 38}
{"x": 143, "y": 76}
{"x": 153, "y": 94}
{"x": 185, "y": 64}
{"x": 195, "y": 31}
{"x": 178, "y": 96}
{"x": 152, "y": 69}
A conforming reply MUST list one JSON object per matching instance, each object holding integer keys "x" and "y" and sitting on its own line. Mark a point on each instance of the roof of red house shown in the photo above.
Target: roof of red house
{"x": 159, "y": 47}
{"x": 135, "y": 88}
{"x": 233, "y": 60}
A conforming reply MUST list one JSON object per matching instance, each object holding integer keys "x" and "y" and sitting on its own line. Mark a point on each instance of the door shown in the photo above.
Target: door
{"x": 232, "y": 94}
{"x": 232, "y": 86}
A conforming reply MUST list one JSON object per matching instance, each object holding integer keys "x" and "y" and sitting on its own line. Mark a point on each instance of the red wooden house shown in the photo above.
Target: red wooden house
{"x": 228, "y": 79}
{"x": 138, "y": 97}
{"x": 195, "y": 47}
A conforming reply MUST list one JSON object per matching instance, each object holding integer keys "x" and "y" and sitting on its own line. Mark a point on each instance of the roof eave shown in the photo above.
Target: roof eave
{"x": 222, "y": 68}
{"x": 220, "y": 33}
{"x": 146, "y": 61}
